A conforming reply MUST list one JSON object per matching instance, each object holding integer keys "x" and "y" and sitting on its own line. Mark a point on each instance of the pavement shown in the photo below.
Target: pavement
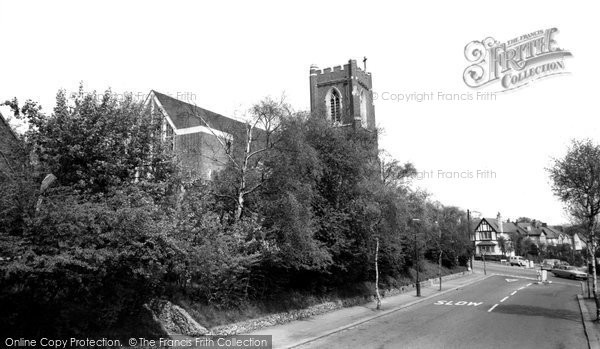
{"x": 302, "y": 332}
{"x": 588, "y": 315}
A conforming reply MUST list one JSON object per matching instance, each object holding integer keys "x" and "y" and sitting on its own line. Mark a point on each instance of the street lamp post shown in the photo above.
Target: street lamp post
{"x": 418, "y": 282}
{"x": 440, "y": 254}
{"x": 483, "y": 257}
{"x": 469, "y": 237}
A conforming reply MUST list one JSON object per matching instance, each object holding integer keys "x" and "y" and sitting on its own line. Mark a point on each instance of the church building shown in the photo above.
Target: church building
{"x": 201, "y": 138}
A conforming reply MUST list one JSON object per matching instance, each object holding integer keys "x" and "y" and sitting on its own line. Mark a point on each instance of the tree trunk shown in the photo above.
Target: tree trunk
{"x": 595, "y": 278}
{"x": 378, "y": 297}
{"x": 240, "y": 206}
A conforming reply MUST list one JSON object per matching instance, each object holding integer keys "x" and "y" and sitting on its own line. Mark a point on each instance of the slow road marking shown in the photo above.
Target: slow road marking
{"x": 468, "y": 304}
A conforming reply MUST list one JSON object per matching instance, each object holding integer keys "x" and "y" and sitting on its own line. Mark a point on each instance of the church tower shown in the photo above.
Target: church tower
{"x": 343, "y": 94}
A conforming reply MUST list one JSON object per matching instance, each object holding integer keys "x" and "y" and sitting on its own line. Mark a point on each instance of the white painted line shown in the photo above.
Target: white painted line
{"x": 521, "y": 288}
{"x": 512, "y": 294}
{"x": 529, "y": 284}
{"x": 492, "y": 308}
{"x": 503, "y": 299}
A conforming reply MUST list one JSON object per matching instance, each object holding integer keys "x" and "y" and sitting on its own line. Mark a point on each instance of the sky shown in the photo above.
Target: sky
{"x": 488, "y": 156}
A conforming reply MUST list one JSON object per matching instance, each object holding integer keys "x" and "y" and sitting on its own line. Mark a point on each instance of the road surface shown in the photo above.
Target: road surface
{"x": 498, "y": 312}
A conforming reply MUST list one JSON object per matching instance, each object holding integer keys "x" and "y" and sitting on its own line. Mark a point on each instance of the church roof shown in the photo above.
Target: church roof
{"x": 7, "y": 126}
{"x": 186, "y": 115}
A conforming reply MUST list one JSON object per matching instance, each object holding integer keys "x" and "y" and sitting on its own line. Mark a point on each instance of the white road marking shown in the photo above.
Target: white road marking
{"x": 512, "y": 294}
{"x": 529, "y": 284}
{"x": 503, "y": 299}
{"x": 492, "y": 308}
{"x": 442, "y": 302}
{"x": 515, "y": 276}
{"x": 511, "y": 280}
{"x": 521, "y": 288}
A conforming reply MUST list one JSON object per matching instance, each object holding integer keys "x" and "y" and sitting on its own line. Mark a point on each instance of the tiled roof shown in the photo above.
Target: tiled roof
{"x": 11, "y": 131}
{"x": 507, "y": 227}
{"x": 535, "y": 232}
{"x": 551, "y": 233}
{"x": 525, "y": 225}
{"x": 186, "y": 115}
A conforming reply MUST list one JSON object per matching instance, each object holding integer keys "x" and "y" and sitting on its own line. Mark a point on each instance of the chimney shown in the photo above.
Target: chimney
{"x": 500, "y": 225}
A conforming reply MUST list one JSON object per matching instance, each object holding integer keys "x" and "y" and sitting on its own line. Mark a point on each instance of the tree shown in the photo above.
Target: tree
{"x": 99, "y": 246}
{"x": 82, "y": 266}
{"x": 524, "y": 220}
{"x": 392, "y": 172}
{"x": 287, "y": 200}
{"x": 528, "y": 246}
{"x": 516, "y": 240}
{"x": 503, "y": 244}
{"x": 244, "y": 172}
{"x": 96, "y": 142}
{"x": 576, "y": 182}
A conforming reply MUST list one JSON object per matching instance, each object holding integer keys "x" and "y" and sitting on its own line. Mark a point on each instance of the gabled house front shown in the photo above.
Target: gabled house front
{"x": 579, "y": 242}
{"x": 487, "y": 233}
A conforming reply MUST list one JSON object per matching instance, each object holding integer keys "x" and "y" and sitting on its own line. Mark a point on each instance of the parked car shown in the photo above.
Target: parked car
{"x": 549, "y": 264}
{"x": 567, "y": 271}
{"x": 518, "y": 260}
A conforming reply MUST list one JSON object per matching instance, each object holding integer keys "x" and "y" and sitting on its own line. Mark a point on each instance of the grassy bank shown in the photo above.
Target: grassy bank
{"x": 210, "y": 316}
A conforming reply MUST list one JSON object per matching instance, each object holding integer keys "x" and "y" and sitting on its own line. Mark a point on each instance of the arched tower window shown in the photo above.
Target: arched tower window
{"x": 363, "y": 109}
{"x": 334, "y": 105}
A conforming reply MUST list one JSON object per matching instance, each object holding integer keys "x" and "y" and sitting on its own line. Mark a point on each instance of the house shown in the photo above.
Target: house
{"x": 533, "y": 231}
{"x": 579, "y": 242}
{"x": 555, "y": 237}
{"x": 486, "y": 237}
{"x": 541, "y": 233}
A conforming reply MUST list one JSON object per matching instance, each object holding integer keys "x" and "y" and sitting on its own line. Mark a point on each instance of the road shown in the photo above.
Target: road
{"x": 499, "y": 312}
{"x": 499, "y": 269}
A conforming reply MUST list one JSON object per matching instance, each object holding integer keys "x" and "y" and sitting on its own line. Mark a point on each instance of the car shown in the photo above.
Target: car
{"x": 518, "y": 260}
{"x": 567, "y": 271}
{"x": 549, "y": 264}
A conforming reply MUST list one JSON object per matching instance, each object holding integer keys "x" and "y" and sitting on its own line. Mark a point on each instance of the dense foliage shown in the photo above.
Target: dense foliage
{"x": 120, "y": 226}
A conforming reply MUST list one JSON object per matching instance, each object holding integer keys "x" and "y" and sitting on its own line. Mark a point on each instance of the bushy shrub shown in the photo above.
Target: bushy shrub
{"x": 85, "y": 264}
